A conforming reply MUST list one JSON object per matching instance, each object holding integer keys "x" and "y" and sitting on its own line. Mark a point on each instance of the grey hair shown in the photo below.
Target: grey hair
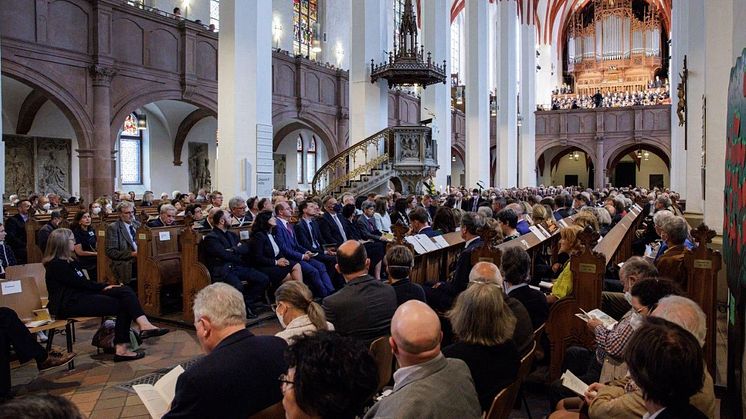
{"x": 480, "y": 315}
{"x": 485, "y": 212}
{"x": 661, "y": 216}
{"x": 676, "y": 229}
{"x": 665, "y": 200}
{"x": 222, "y": 304}
{"x": 125, "y": 205}
{"x": 639, "y": 267}
{"x": 235, "y": 202}
{"x": 485, "y": 272}
{"x": 604, "y": 218}
{"x": 367, "y": 204}
{"x": 684, "y": 312}
{"x": 166, "y": 208}
{"x": 472, "y": 222}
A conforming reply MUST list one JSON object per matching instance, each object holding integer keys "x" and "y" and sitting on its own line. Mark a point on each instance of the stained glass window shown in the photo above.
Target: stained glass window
{"x": 398, "y": 9}
{"x": 299, "y": 159}
{"x": 215, "y": 13}
{"x": 130, "y": 152}
{"x": 305, "y": 27}
{"x": 311, "y": 159}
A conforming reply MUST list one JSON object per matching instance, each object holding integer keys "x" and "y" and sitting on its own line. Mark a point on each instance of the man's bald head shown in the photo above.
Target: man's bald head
{"x": 486, "y": 272}
{"x": 352, "y": 258}
{"x": 415, "y": 333}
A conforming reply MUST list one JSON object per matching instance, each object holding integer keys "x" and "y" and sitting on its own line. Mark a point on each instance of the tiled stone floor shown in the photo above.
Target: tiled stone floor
{"x": 92, "y": 384}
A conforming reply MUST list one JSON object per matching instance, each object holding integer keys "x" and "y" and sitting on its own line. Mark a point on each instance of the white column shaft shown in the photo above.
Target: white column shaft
{"x": 527, "y": 167}
{"x": 507, "y": 113}
{"x": 477, "y": 164}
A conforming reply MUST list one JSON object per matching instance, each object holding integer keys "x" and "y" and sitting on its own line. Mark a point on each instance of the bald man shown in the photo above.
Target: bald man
{"x": 426, "y": 385}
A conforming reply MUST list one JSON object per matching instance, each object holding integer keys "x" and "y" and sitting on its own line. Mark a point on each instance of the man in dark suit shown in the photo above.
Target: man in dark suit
{"x": 224, "y": 255}
{"x": 314, "y": 271}
{"x": 308, "y": 234}
{"x": 473, "y": 203}
{"x": 562, "y": 202}
{"x": 166, "y": 217}
{"x": 331, "y": 225}
{"x": 442, "y": 294}
{"x": 15, "y": 226}
{"x": 427, "y": 203}
{"x": 399, "y": 262}
{"x": 515, "y": 266}
{"x": 363, "y": 308}
{"x": 418, "y": 219}
{"x": 238, "y": 376}
{"x": 121, "y": 243}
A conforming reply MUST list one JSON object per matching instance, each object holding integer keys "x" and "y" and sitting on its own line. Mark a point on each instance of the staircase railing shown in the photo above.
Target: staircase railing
{"x": 353, "y": 162}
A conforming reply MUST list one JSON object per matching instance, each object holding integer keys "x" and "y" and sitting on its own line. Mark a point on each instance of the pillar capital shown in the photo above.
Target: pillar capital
{"x": 102, "y": 75}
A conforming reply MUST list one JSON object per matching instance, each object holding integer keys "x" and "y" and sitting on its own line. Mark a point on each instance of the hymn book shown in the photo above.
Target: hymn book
{"x": 157, "y": 397}
{"x": 573, "y": 383}
{"x": 606, "y": 320}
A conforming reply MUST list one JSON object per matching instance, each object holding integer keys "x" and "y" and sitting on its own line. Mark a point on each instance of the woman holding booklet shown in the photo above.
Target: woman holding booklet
{"x": 71, "y": 294}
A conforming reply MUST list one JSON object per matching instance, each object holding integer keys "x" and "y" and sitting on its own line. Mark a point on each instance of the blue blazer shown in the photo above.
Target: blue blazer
{"x": 288, "y": 243}
{"x": 429, "y": 232}
{"x": 303, "y": 236}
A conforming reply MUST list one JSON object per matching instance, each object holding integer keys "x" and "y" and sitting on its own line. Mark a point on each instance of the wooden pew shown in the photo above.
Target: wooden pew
{"x": 158, "y": 264}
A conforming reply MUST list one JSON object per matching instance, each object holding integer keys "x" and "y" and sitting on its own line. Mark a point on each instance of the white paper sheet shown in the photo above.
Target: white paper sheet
{"x": 11, "y": 287}
{"x": 164, "y": 236}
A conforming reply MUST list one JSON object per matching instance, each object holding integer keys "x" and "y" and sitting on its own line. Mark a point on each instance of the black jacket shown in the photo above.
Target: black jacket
{"x": 261, "y": 251}
{"x": 535, "y": 303}
{"x": 330, "y": 232}
{"x": 236, "y": 380}
{"x": 16, "y": 237}
{"x": 407, "y": 290}
{"x": 67, "y": 284}
{"x": 303, "y": 235}
{"x": 222, "y": 250}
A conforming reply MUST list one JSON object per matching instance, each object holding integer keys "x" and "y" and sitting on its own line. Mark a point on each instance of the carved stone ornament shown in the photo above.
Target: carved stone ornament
{"x": 102, "y": 74}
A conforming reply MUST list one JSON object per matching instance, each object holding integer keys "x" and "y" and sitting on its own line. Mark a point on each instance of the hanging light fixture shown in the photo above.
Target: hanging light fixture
{"x": 639, "y": 153}
{"x": 493, "y": 104}
{"x": 142, "y": 122}
{"x": 646, "y": 155}
{"x": 453, "y": 158}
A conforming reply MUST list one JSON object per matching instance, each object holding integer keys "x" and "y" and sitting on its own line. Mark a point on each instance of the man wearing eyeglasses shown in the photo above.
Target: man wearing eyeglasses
{"x": 121, "y": 243}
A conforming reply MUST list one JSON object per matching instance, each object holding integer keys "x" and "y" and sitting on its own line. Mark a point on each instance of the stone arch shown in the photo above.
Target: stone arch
{"x": 397, "y": 184}
{"x": 614, "y": 153}
{"x": 59, "y": 94}
{"x": 185, "y": 126}
{"x": 290, "y": 126}
{"x": 563, "y": 149}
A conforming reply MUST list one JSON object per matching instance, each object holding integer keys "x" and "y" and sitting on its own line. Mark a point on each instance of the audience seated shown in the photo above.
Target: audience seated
{"x": 166, "y": 217}
{"x": 85, "y": 243}
{"x": 670, "y": 264}
{"x": 515, "y": 266}
{"x": 224, "y": 256}
{"x": 635, "y": 269}
{"x": 381, "y": 215}
{"x": 444, "y": 221}
{"x": 399, "y": 214}
{"x": 15, "y": 226}
{"x": 121, "y": 243}
{"x": 442, "y": 294}
{"x": 484, "y": 326}
{"x": 308, "y": 235}
{"x": 419, "y": 224}
{"x": 399, "y": 263}
{"x": 329, "y": 376}
{"x": 568, "y": 244}
{"x": 238, "y": 376}
{"x": 314, "y": 271}
{"x": 507, "y": 221}
{"x": 14, "y": 332}
{"x": 472, "y": 204}
{"x": 427, "y": 384}
{"x": 296, "y": 311}
{"x": 237, "y": 207}
{"x": 71, "y": 294}
{"x": 43, "y": 234}
{"x": 363, "y": 308}
{"x": 7, "y": 257}
{"x": 40, "y": 406}
{"x": 266, "y": 255}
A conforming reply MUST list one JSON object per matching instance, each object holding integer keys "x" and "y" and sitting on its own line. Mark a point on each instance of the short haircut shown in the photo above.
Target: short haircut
{"x": 251, "y": 201}
{"x": 638, "y": 267}
{"x": 125, "y": 205}
{"x": 508, "y": 216}
{"x": 214, "y": 194}
{"x": 515, "y": 264}
{"x": 367, "y": 205}
{"x": 217, "y": 217}
{"x": 481, "y": 317}
{"x": 55, "y": 215}
{"x": 664, "y": 200}
{"x": 485, "y": 212}
{"x": 684, "y": 312}
{"x": 222, "y": 304}
{"x": 666, "y": 362}
{"x": 661, "y": 217}
{"x": 348, "y": 210}
{"x": 352, "y": 262}
{"x": 191, "y": 208}
{"x": 334, "y": 375}
{"x": 303, "y": 204}
{"x": 418, "y": 214}
{"x": 472, "y": 222}
{"x": 649, "y": 291}
{"x": 35, "y": 406}
{"x": 399, "y": 261}
{"x": 586, "y": 218}
{"x": 235, "y": 202}
{"x": 676, "y": 229}
{"x": 166, "y": 208}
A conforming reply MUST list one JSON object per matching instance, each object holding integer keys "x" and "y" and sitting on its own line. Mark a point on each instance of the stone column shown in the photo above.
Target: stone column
{"x": 436, "y": 99}
{"x": 368, "y": 101}
{"x": 2, "y": 153}
{"x": 599, "y": 178}
{"x": 101, "y": 180}
{"x": 477, "y": 164}
{"x": 244, "y": 158}
{"x": 527, "y": 166}
{"x": 507, "y": 112}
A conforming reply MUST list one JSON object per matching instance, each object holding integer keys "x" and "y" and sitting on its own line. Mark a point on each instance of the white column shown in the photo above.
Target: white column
{"x": 2, "y": 153}
{"x": 477, "y": 164}
{"x": 507, "y": 113}
{"x": 720, "y": 57}
{"x": 436, "y": 98}
{"x": 368, "y": 102}
{"x": 679, "y": 45}
{"x": 527, "y": 166}
{"x": 244, "y": 157}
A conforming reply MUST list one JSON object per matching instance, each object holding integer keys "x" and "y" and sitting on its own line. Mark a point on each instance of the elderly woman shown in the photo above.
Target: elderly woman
{"x": 329, "y": 376}
{"x": 570, "y": 245}
{"x": 71, "y": 294}
{"x": 484, "y": 325}
{"x": 297, "y": 312}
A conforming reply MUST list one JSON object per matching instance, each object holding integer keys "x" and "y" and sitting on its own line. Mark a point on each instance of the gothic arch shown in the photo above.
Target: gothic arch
{"x": 619, "y": 148}
{"x": 580, "y": 145}
{"x": 620, "y": 152}
{"x": 323, "y": 135}
{"x": 185, "y": 126}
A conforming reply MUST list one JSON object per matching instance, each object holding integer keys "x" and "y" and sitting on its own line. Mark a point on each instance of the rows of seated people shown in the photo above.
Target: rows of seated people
{"x": 325, "y": 272}
{"x": 654, "y": 96}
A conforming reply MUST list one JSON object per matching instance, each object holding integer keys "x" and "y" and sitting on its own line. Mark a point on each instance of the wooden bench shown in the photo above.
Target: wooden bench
{"x": 158, "y": 264}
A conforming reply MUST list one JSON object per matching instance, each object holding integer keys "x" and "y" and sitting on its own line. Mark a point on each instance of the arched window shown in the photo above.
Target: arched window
{"x": 299, "y": 159}
{"x": 305, "y": 27}
{"x": 456, "y": 44}
{"x": 398, "y": 9}
{"x": 130, "y": 151}
{"x": 311, "y": 159}
{"x": 215, "y": 13}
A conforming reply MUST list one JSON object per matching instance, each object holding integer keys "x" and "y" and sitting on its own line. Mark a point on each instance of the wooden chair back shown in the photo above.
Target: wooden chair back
{"x": 381, "y": 352}
{"x": 25, "y": 302}
{"x": 488, "y": 251}
{"x": 31, "y": 270}
{"x": 158, "y": 264}
{"x": 503, "y": 403}
{"x": 195, "y": 275}
{"x": 34, "y": 253}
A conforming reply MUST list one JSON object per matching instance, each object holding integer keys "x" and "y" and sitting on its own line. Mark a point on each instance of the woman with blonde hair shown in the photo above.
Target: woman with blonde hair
{"x": 484, "y": 325}
{"x": 570, "y": 245}
{"x": 539, "y": 214}
{"x": 72, "y": 295}
{"x": 297, "y": 312}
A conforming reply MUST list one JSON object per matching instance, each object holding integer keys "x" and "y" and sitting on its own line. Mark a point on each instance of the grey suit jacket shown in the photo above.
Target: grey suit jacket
{"x": 439, "y": 388}
{"x": 119, "y": 248}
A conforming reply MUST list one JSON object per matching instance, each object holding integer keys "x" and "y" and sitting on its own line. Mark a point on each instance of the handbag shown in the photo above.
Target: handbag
{"x": 104, "y": 338}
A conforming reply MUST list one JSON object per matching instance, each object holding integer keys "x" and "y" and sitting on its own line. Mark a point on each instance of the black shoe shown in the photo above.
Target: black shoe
{"x": 144, "y": 334}
{"x": 124, "y": 358}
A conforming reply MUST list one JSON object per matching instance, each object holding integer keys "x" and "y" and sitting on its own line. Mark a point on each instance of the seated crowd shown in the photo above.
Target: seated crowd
{"x": 339, "y": 280}
{"x": 651, "y": 96}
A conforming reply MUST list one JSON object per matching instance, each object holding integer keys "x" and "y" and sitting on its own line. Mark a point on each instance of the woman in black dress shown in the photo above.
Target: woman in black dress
{"x": 266, "y": 255}
{"x": 399, "y": 215}
{"x": 85, "y": 243}
{"x": 71, "y": 295}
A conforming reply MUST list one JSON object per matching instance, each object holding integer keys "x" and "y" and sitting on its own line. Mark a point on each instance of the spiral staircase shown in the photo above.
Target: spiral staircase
{"x": 402, "y": 155}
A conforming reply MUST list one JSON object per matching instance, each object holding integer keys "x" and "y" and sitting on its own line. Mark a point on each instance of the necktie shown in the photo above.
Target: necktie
{"x": 313, "y": 239}
{"x": 132, "y": 233}
{"x": 290, "y": 230}
{"x": 370, "y": 225}
{"x": 339, "y": 226}
{"x": 474, "y": 207}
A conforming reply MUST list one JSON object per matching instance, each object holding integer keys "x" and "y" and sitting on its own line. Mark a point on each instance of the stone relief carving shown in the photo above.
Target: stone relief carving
{"x": 53, "y": 166}
{"x": 19, "y": 163}
{"x": 37, "y": 164}
{"x": 410, "y": 147}
{"x": 280, "y": 170}
{"x": 199, "y": 167}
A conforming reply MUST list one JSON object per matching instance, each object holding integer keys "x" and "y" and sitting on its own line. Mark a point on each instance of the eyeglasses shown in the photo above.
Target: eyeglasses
{"x": 127, "y": 212}
{"x": 284, "y": 382}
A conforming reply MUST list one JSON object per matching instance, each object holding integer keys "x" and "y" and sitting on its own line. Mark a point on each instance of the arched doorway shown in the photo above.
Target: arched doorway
{"x": 642, "y": 165}
{"x": 299, "y": 151}
{"x": 567, "y": 166}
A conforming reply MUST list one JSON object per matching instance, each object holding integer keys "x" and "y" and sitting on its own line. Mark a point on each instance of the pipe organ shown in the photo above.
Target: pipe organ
{"x": 615, "y": 51}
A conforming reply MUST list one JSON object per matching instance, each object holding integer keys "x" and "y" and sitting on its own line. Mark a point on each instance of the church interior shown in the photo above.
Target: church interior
{"x": 243, "y": 174}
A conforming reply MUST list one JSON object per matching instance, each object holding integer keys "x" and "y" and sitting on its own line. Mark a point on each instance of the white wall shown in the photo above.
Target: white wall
{"x": 288, "y": 148}
{"x": 282, "y": 15}
{"x": 457, "y": 172}
{"x": 336, "y": 16}
{"x": 190, "y": 9}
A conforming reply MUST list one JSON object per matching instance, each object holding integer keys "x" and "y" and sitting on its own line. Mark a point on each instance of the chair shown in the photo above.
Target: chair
{"x": 276, "y": 411}
{"x": 381, "y": 352}
{"x": 503, "y": 403}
